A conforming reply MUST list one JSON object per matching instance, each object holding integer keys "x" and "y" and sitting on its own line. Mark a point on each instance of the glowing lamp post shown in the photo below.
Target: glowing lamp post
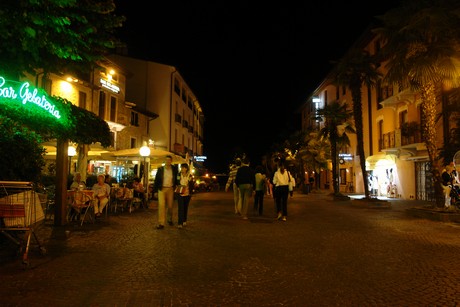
{"x": 145, "y": 152}
{"x": 71, "y": 152}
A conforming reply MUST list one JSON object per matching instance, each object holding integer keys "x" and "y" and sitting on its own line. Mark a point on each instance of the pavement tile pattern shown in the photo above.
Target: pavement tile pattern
{"x": 327, "y": 253}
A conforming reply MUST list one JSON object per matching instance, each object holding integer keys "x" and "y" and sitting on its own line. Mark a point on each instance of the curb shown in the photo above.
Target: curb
{"x": 434, "y": 215}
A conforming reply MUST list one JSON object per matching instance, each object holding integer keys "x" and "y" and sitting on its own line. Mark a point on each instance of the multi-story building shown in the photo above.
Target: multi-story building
{"x": 160, "y": 89}
{"x": 103, "y": 93}
{"x": 397, "y": 163}
{"x": 131, "y": 118}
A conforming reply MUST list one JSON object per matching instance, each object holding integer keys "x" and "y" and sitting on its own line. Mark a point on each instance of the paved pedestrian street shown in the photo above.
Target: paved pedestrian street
{"x": 326, "y": 254}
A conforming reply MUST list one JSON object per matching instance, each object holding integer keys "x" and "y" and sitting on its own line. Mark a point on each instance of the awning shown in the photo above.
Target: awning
{"x": 96, "y": 151}
{"x": 157, "y": 156}
{"x": 135, "y": 152}
{"x": 380, "y": 160}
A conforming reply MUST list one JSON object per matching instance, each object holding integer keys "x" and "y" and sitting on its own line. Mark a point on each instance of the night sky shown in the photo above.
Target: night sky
{"x": 250, "y": 64}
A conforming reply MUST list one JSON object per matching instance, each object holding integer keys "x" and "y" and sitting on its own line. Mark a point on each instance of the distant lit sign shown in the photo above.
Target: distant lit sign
{"x": 346, "y": 157}
{"x": 25, "y": 93}
{"x": 199, "y": 158}
{"x": 109, "y": 85}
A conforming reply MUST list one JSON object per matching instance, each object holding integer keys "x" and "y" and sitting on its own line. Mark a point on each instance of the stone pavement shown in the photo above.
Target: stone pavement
{"x": 327, "y": 254}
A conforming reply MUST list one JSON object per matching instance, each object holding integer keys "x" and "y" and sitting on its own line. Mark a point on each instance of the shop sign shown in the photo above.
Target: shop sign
{"x": 343, "y": 157}
{"x": 24, "y": 93}
{"x": 199, "y": 158}
{"x": 109, "y": 85}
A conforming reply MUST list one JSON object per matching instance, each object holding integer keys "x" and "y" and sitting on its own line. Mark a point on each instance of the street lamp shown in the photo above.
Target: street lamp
{"x": 145, "y": 152}
{"x": 71, "y": 152}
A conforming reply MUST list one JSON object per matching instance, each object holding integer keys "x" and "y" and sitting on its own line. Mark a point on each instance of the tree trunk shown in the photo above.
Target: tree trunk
{"x": 82, "y": 161}
{"x": 358, "y": 116}
{"x": 428, "y": 107}
{"x": 335, "y": 177}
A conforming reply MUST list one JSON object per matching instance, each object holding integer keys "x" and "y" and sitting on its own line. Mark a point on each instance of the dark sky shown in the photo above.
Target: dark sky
{"x": 250, "y": 64}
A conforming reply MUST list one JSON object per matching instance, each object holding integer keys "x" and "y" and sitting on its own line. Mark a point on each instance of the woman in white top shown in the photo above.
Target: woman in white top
{"x": 281, "y": 181}
{"x": 184, "y": 197}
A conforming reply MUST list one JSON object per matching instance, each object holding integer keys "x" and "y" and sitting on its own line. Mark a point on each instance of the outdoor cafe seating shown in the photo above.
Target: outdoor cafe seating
{"x": 80, "y": 206}
{"x": 122, "y": 198}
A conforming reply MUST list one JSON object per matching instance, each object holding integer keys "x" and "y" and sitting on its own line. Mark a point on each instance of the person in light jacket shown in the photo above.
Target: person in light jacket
{"x": 281, "y": 182}
{"x": 164, "y": 185}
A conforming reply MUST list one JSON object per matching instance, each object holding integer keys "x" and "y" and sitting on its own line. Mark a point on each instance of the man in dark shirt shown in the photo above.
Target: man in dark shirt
{"x": 245, "y": 181}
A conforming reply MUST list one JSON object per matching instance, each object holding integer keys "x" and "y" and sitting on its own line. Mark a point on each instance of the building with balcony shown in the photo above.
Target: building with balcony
{"x": 102, "y": 92}
{"x": 397, "y": 163}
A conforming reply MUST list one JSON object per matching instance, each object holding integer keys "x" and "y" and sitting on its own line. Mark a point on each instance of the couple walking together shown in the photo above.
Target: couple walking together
{"x": 242, "y": 180}
{"x": 167, "y": 179}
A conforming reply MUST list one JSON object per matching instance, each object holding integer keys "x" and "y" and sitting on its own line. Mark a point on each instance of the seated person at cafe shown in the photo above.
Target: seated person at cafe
{"x": 138, "y": 188}
{"x": 77, "y": 183}
{"x": 101, "y": 195}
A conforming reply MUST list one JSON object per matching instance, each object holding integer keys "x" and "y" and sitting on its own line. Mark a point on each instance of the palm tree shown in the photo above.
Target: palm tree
{"x": 315, "y": 154}
{"x": 336, "y": 115}
{"x": 355, "y": 69}
{"x": 450, "y": 113}
{"x": 421, "y": 44}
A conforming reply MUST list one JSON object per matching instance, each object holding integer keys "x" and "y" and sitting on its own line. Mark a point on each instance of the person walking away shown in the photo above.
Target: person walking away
{"x": 231, "y": 183}
{"x": 281, "y": 182}
{"x": 245, "y": 181}
{"x": 184, "y": 197}
{"x": 101, "y": 195}
{"x": 163, "y": 186}
{"x": 260, "y": 183}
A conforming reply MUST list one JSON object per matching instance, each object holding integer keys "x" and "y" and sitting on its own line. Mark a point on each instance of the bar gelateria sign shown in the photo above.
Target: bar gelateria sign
{"x": 22, "y": 93}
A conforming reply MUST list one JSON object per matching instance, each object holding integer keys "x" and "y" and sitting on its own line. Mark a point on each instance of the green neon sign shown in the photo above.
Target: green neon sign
{"x": 24, "y": 93}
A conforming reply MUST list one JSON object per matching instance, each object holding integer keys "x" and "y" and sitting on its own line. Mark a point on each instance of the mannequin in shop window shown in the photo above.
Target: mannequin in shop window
{"x": 375, "y": 185}
{"x": 390, "y": 182}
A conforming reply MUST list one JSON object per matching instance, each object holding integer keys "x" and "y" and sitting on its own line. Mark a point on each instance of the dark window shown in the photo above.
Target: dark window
{"x": 178, "y": 118}
{"x": 134, "y": 119}
{"x": 133, "y": 143}
{"x": 102, "y": 104}
{"x": 184, "y": 96}
{"x": 176, "y": 87}
{"x": 113, "y": 109}
{"x": 82, "y": 99}
{"x": 380, "y": 132}
{"x": 402, "y": 118}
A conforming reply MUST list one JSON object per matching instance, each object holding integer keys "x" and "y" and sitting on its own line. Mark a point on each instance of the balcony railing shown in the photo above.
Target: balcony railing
{"x": 395, "y": 139}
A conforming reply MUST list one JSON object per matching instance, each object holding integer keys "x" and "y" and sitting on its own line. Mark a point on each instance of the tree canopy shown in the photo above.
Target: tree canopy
{"x": 51, "y": 36}
{"x": 54, "y": 35}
